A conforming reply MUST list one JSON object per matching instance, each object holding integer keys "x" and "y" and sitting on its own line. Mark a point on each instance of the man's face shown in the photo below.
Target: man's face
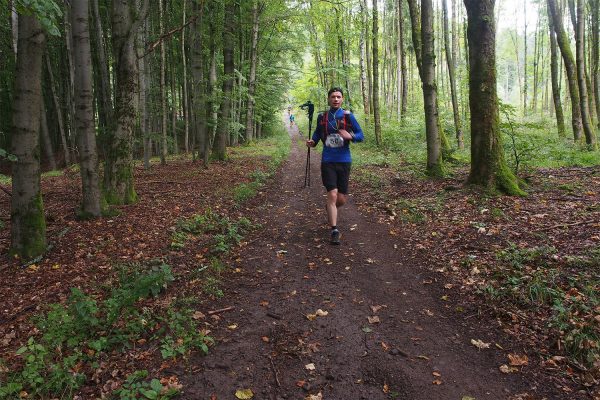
{"x": 335, "y": 100}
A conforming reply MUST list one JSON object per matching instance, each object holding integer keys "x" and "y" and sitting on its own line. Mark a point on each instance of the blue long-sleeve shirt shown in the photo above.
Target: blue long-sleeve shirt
{"x": 335, "y": 148}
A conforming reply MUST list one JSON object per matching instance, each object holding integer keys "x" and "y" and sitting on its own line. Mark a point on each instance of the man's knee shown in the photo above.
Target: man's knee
{"x": 340, "y": 200}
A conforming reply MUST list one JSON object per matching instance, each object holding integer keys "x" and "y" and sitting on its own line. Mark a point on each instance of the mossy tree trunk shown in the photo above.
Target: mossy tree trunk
{"x": 118, "y": 170}
{"x": 85, "y": 129}
{"x": 565, "y": 49}
{"x": 488, "y": 167}
{"x": 220, "y": 144}
{"x": 163, "y": 94}
{"x": 402, "y": 50}
{"x": 199, "y": 128}
{"x": 595, "y": 5}
{"x": 28, "y": 226}
{"x": 554, "y": 71}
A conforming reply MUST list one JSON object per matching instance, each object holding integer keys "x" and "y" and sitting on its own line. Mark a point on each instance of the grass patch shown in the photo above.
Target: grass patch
{"x": 75, "y": 337}
{"x": 565, "y": 289}
{"x": 223, "y": 232}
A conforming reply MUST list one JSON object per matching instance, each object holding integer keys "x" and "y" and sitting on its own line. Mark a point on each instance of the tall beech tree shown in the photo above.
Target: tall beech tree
{"x": 252, "y": 78}
{"x": 423, "y": 44}
{"x": 451, "y": 76}
{"x": 84, "y": 117}
{"x": 565, "y": 50}
{"x": 118, "y": 168}
{"x": 220, "y": 143}
{"x": 579, "y": 26}
{"x": 554, "y": 73}
{"x": 488, "y": 167}
{"x": 375, "y": 100}
{"x": 28, "y": 225}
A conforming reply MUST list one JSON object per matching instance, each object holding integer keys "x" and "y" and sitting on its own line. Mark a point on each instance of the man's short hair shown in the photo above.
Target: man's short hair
{"x": 335, "y": 89}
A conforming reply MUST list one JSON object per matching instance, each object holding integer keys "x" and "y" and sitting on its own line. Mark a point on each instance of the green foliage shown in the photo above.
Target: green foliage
{"x": 86, "y": 329}
{"x": 567, "y": 289}
{"x": 224, "y": 232}
{"x": 5, "y": 155}
{"x": 135, "y": 388}
{"x": 46, "y": 11}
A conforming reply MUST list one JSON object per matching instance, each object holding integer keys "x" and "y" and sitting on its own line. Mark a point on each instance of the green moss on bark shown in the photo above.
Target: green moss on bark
{"x": 507, "y": 182}
{"x": 32, "y": 239}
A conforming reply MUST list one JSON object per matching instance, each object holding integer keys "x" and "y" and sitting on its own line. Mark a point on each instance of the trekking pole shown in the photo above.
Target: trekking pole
{"x": 310, "y": 109}
{"x": 307, "y": 170}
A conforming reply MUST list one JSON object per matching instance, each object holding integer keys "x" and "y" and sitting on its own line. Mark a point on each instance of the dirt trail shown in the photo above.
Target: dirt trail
{"x": 418, "y": 350}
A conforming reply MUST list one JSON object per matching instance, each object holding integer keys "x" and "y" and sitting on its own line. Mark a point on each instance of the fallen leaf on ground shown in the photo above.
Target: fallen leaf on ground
{"x": 310, "y": 367}
{"x": 435, "y": 373}
{"x": 244, "y": 394}
{"x": 198, "y": 315}
{"x": 437, "y": 382}
{"x": 232, "y": 327}
{"x": 518, "y": 360}
{"x": 265, "y": 339}
{"x": 386, "y": 388}
{"x": 318, "y": 396}
{"x": 374, "y": 319}
{"x": 468, "y": 398}
{"x": 480, "y": 344}
{"x": 321, "y": 313}
{"x": 505, "y": 369}
{"x": 376, "y": 308}
{"x": 385, "y": 346}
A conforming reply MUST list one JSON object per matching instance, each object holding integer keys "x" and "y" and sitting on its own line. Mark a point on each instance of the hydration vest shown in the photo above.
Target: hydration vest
{"x": 345, "y": 122}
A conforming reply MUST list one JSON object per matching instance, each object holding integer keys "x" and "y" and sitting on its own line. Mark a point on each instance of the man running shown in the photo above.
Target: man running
{"x": 336, "y": 128}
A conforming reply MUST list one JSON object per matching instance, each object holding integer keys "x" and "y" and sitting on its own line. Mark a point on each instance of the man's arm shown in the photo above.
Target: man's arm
{"x": 356, "y": 130}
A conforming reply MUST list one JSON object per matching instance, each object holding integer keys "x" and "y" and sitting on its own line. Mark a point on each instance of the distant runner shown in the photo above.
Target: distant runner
{"x": 336, "y": 128}
{"x": 292, "y": 118}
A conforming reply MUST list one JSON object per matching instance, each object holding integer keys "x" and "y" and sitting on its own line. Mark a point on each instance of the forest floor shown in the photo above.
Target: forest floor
{"x": 436, "y": 292}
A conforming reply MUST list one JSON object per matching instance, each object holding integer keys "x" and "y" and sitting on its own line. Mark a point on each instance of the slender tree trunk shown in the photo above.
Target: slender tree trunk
{"x": 105, "y": 109}
{"x": 402, "y": 50}
{"x": 525, "y": 85}
{"x": 144, "y": 79}
{"x": 57, "y": 109}
{"x": 163, "y": 94}
{"x": 554, "y": 71}
{"x": 198, "y": 86}
{"x": 173, "y": 103}
{"x": 71, "y": 85}
{"x": 588, "y": 129}
{"x": 45, "y": 135}
{"x": 219, "y": 147}
{"x": 118, "y": 170}
{"x": 595, "y": 5}
{"x": 450, "y": 63}
{"x": 488, "y": 168}
{"x": 28, "y": 225}
{"x": 376, "y": 115}
{"x": 415, "y": 19}
{"x": 571, "y": 72}
{"x": 364, "y": 86}
{"x": 435, "y": 165}
{"x": 369, "y": 54}
{"x": 252, "y": 78}
{"x": 211, "y": 113}
{"x": 84, "y": 119}
{"x": 186, "y": 134}
{"x": 14, "y": 20}
{"x": 398, "y": 60}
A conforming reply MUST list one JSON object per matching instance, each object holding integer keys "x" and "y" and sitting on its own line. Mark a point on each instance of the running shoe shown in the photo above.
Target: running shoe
{"x": 335, "y": 237}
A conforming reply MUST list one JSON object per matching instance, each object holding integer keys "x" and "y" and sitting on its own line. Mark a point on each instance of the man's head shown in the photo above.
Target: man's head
{"x": 335, "y": 97}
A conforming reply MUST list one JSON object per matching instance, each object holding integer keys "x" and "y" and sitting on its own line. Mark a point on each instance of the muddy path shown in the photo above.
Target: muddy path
{"x": 386, "y": 333}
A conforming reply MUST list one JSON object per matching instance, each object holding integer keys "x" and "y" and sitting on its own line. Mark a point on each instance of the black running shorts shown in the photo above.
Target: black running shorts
{"x": 335, "y": 176}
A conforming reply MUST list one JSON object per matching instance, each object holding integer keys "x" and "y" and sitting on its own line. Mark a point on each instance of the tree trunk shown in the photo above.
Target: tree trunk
{"x": 402, "y": 50}
{"x": 369, "y": 54}
{"x": 105, "y": 109}
{"x": 163, "y": 94}
{"x": 211, "y": 114}
{"x": 588, "y": 129}
{"x": 85, "y": 129}
{"x": 252, "y": 79}
{"x": 198, "y": 85}
{"x": 571, "y": 72}
{"x": 186, "y": 134}
{"x": 554, "y": 71}
{"x": 434, "y": 147}
{"x": 118, "y": 170}
{"x": 45, "y": 134}
{"x": 595, "y": 5}
{"x": 525, "y": 85}
{"x": 415, "y": 20}
{"x": 450, "y": 63}
{"x": 28, "y": 225}
{"x": 488, "y": 168}
{"x": 376, "y": 115}
{"x": 71, "y": 84}
{"x": 144, "y": 79}
{"x": 173, "y": 76}
{"x": 361, "y": 62}
{"x": 219, "y": 147}
{"x": 57, "y": 109}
